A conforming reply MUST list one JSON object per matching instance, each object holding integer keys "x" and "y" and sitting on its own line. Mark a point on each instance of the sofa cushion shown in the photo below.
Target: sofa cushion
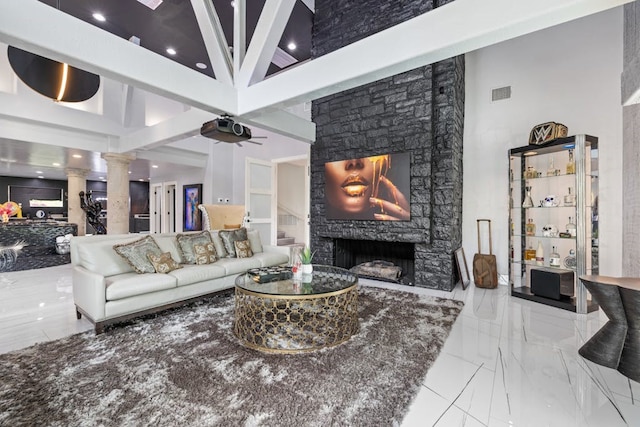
{"x": 238, "y": 265}
{"x": 130, "y": 284}
{"x": 186, "y": 242}
{"x": 217, "y": 242}
{"x": 99, "y": 257}
{"x": 135, "y": 253}
{"x": 163, "y": 263}
{"x": 198, "y": 273}
{"x": 169, "y": 243}
{"x": 229, "y": 237}
{"x": 256, "y": 242}
{"x": 243, "y": 249}
{"x": 205, "y": 254}
{"x": 269, "y": 259}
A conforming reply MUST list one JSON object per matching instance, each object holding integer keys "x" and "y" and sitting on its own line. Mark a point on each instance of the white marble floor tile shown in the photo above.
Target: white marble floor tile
{"x": 507, "y": 361}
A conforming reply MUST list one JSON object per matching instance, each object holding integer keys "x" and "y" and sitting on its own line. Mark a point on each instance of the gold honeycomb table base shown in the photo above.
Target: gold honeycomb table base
{"x": 295, "y": 323}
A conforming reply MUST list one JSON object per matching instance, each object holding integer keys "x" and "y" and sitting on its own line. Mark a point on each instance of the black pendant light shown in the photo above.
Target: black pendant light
{"x": 53, "y": 79}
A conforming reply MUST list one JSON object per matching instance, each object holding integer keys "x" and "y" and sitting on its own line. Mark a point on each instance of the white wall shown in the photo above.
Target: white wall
{"x": 274, "y": 147}
{"x": 568, "y": 74}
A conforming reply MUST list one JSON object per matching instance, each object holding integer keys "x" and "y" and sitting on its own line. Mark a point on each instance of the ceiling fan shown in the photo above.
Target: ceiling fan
{"x": 225, "y": 129}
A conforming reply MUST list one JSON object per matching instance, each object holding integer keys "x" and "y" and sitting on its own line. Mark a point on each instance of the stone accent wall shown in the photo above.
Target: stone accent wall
{"x": 420, "y": 112}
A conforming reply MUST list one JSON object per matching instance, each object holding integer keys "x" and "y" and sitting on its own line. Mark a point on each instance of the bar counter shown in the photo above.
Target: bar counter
{"x": 40, "y": 238}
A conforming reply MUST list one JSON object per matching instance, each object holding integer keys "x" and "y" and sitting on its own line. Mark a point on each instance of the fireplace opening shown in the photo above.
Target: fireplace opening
{"x": 367, "y": 254}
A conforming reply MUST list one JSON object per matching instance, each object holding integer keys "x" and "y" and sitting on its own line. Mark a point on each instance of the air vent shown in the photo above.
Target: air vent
{"x": 282, "y": 59}
{"x": 151, "y": 4}
{"x": 501, "y": 93}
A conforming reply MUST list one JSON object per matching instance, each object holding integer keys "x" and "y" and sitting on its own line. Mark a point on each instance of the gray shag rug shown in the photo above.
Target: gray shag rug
{"x": 185, "y": 367}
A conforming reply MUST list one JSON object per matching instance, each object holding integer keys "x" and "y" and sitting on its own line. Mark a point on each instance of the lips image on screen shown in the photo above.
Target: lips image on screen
{"x": 355, "y": 186}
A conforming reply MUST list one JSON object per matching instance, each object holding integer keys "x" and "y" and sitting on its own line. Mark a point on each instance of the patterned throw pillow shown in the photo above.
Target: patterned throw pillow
{"x": 163, "y": 263}
{"x": 205, "y": 254}
{"x": 230, "y": 236}
{"x": 187, "y": 241}
{"x": 243, "y": 248}
{"x": 135, "y": 253}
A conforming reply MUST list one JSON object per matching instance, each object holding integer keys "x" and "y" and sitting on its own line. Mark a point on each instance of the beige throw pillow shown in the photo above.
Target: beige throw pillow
{"x": 163, "y": 263}
{"x": 243, "y": 249}
{"x": 135, "y": 253}
{"x": 205, "y": 254}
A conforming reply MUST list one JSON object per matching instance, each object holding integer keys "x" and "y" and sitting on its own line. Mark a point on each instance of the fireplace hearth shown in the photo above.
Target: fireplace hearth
{"x": 349, "y": 253}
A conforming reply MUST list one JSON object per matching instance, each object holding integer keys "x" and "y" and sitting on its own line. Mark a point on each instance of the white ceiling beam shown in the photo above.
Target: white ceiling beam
{"x": 49, "y": 135}
{"x": 450, "y": 30}
{"x": 214, "y": 40}
{"x": 239, "y": 35}
{"x": 175, "y": 156}
{"x": 283, "y": 123}
{"x": 176, "y": 128}
{"x": 273, "y": 19}
{"x": 188, "y": 124}
{"x": 13, "y": 107}
{"x": 41, "y": 29}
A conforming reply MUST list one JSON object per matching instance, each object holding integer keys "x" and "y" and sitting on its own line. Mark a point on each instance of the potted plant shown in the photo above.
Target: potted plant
{"x": 306, "y": 256}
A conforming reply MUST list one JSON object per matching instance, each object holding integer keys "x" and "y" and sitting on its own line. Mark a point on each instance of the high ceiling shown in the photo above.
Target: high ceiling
{"x": 173, "y": 24}
{"x": 229, "y": 84}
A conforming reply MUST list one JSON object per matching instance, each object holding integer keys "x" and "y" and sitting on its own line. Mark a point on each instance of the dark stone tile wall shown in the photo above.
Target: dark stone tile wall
{"x": 420, "y": 112}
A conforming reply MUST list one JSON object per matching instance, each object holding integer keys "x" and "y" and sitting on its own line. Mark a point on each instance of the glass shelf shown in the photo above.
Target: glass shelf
{"x": 544, "y": 237}
{"x": 518, "y": 180}
{"x": 546, "y": 265}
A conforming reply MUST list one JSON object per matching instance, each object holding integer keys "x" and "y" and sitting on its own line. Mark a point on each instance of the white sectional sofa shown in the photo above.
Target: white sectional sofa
{"x": 106, "y": 289}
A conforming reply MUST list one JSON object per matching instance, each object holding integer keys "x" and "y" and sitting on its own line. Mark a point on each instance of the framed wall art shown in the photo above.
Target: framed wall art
{"x": 463, "y": 270}
{"x": 192, "y": 197}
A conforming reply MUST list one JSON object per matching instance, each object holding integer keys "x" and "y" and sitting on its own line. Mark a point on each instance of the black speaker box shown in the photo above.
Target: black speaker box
{"x": 551, "y": 283}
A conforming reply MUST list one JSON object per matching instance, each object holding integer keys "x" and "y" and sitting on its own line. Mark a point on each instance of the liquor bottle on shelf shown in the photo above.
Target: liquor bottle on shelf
{"x": 528, "y": 201}
{"x": 531, "y": 172}
{"x": 570, "y": 198}
{"x": 571, "y": 165}
{"x": 540, "y": 254}
{"x": 571, "y": 227}
{"x": 554, "y": 258}
{"x": 551, "y": 171}
{"x": 529, "y": 253}
{"x": 530, "y": 228}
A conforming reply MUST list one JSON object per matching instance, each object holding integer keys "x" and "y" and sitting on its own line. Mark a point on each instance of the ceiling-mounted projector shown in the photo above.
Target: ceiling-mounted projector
{"x": 226, "y": 130}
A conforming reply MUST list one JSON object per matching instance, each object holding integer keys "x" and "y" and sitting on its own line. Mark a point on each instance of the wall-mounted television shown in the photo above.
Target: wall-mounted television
{"x": 369, "y": 188}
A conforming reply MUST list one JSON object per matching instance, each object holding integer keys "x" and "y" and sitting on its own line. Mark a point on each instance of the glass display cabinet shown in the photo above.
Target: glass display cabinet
{"x": 553, "y": 221}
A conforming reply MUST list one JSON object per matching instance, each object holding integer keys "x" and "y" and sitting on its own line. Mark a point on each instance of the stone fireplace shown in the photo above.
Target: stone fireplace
{"x": 350, "y": 253}
{"x": 420, "y": 112}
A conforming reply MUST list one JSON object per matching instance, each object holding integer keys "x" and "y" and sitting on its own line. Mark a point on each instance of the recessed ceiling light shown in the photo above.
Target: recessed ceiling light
{"x": 56, "y": 164}
{"x": 291, "y": 46}
{"x": 129, "y": 172}
{"x": 171, "y": 51}
{"x": 531, "y": 153}
{"x": 141, "y": 179}
{"x": 40, "y": 176}
{"x": 99, "y": 17}
{"x": 233, "y": 4}
{"x": 38, "y": 172}
{"x": 77, "y": 156}
{"x": 154, "y": 166}
{"x": 201, "y": 65}
{"x": 102, "y": 177}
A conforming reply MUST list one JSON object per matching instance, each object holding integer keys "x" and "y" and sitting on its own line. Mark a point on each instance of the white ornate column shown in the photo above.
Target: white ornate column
{"x": 76, "y": 182}
{"x": 117, "y": 192}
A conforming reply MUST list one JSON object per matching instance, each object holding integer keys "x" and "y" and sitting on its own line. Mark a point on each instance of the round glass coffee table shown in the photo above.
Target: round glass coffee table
{"x": 279, "y": 314}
